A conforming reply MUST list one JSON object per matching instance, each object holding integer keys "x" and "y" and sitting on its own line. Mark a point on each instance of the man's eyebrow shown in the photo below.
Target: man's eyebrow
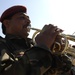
{"x": 24, "y": 15}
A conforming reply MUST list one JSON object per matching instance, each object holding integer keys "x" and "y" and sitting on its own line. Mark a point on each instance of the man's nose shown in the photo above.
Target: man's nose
{"x": 28, "y": 20}
{"x": 27, "y": 23}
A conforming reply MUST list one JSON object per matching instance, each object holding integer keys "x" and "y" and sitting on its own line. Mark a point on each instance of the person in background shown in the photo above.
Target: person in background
{"x": 18, "y": 54}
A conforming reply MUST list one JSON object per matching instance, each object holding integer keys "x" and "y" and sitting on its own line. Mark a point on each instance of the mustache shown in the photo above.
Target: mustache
{"x": 27, "y": 26}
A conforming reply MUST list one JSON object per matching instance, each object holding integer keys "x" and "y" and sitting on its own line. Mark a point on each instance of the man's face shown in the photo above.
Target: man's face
{"x": 18, "y": 24}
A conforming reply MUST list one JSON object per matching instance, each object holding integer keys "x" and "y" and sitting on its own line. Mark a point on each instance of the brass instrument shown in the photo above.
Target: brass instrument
{"x": 68, "y": 50}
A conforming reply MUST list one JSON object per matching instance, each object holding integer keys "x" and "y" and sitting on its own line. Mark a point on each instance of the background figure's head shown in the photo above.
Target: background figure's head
{"x": 15, "y": 21}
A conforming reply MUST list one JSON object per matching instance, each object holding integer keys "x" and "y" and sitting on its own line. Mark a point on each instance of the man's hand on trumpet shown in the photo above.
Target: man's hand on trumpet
{"x": 47, "y": 36}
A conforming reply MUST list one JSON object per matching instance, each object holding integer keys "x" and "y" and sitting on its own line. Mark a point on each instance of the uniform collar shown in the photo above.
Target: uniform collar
{"x": 10, "y": 36}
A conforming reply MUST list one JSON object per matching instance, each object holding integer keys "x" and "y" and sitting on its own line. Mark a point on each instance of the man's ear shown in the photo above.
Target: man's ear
{"x": 6, "y": 23}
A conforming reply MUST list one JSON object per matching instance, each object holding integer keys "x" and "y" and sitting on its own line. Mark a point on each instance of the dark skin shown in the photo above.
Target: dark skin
{"x": 48, "y": 35}
{"x": 17, "y": 25}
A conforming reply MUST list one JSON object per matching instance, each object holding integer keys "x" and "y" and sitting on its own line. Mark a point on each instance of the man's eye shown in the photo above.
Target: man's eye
{"x": 21, "y": 18}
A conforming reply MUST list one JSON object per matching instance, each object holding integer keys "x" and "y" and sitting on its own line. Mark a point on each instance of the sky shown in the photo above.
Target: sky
{"x": 61, "y": 13}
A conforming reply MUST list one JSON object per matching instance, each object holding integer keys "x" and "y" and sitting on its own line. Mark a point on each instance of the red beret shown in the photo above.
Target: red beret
{"x": 12, "y": 10}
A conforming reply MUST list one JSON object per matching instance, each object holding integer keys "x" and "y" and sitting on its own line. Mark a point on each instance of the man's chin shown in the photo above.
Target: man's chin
{"x": 26, "y": 35}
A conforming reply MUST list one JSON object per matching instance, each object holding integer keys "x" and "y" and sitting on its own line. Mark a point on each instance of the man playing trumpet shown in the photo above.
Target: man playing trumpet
{"x": 18, "y": 57}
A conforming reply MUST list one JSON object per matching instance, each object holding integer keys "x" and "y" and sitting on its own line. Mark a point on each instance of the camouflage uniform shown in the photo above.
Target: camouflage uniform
{"x": 17, "y": 57}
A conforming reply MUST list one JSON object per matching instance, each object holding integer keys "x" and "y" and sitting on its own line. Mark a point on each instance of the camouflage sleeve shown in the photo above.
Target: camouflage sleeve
{"x": 3, "y": 56}
{"x": 19, "y": 67}
{"x": 36, "y": 61}
{"x": 9, "y": 66}
{"x": 44, "y": 63}
{"x": 40, "y": 60}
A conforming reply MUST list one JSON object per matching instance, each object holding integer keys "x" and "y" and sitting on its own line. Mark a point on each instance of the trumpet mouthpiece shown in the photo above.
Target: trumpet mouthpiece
{"x": 36, "y": 29}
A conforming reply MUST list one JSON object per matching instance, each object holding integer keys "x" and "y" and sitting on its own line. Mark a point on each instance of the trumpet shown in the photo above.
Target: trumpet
{"x": 68, "y": 50}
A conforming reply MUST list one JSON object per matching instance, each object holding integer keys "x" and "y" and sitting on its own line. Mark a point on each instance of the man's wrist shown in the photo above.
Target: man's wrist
{"x": 42, "y": 46}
